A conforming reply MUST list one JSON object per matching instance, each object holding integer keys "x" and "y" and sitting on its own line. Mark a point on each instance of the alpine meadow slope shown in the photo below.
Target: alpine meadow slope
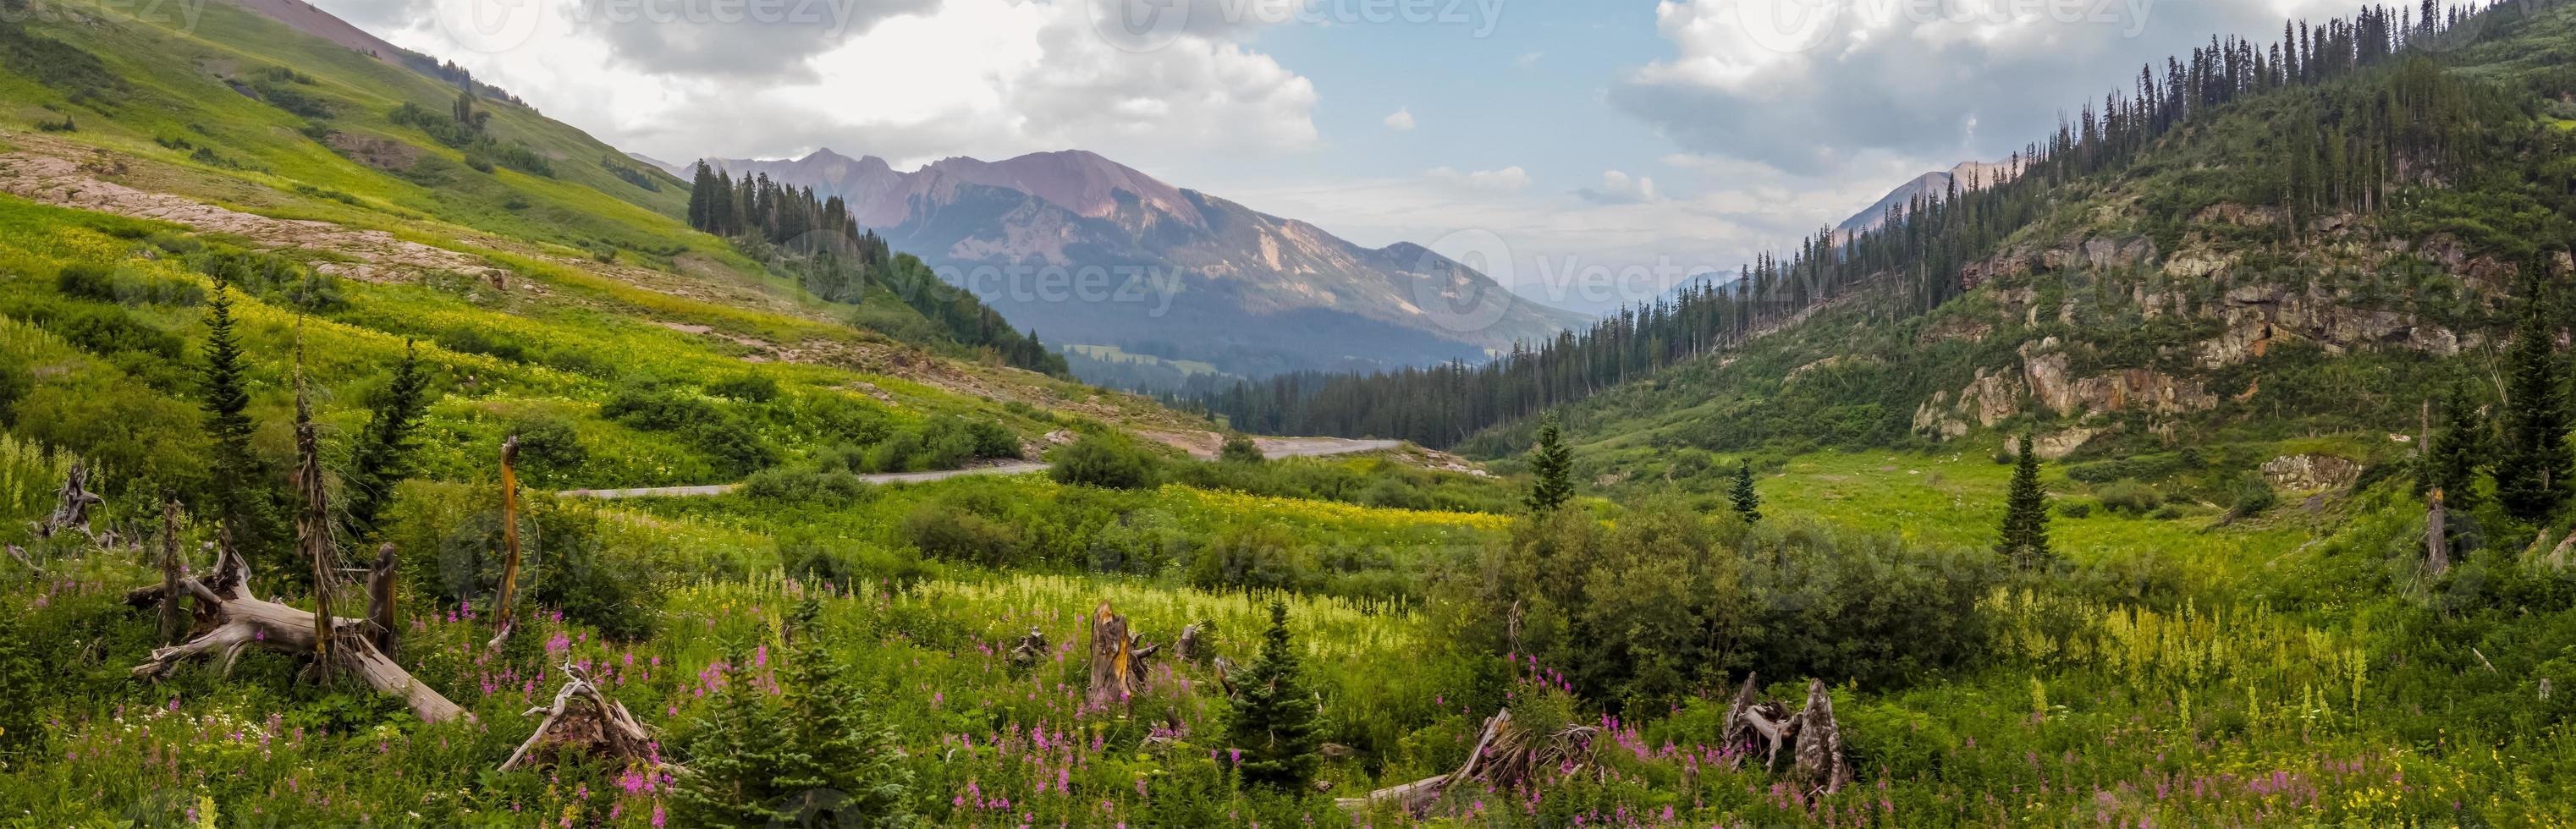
{"x": 301, "y": 347}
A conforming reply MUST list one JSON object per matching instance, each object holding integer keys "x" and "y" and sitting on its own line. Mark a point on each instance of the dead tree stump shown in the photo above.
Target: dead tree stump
{"x": 1112, "y": 658}
{"x": 1821, "y": 762}
{"x": 71, "y": 504}
{"x": 583, "y": 720}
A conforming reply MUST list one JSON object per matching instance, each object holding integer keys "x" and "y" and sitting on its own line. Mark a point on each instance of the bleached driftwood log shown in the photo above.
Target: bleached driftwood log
{"x": 229, "y": 620}
{"x": 585, "y": 720}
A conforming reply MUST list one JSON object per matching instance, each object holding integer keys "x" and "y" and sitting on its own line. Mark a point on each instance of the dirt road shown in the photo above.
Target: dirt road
{"x": 1270, "y": 447}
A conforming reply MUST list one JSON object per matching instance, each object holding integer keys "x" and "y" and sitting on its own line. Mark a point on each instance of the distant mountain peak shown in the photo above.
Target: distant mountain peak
{"x": 1255, "y": 293}
{"x": 1965, "y": 175}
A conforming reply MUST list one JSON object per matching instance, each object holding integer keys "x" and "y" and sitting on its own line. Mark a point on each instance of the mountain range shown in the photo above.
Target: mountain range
{"x": 1090, "y": 252}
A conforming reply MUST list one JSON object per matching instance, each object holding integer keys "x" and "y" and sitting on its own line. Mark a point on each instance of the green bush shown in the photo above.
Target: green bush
{"x": 1107, "y": 460}
{"x": 550, "y": 449}
{"x": 2129, "y": 497}
{"x": 944, "y": 532}
{"x": 2253, "y": 496}
{"x": 749, "y": 388}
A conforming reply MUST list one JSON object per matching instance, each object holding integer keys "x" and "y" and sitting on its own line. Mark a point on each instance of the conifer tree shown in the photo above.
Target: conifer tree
{"x": 2459, "y": 451}
{"x": 383, "y": 454}
{"x": 1748, "y": 503}
{"x": 1273, "y": 724}
{"x": 243, "y": 500}
{"x": 815, "y": 756}
{"x": 701, "y": 186}
{"x": 2532, "y": 468}
{"x": 1551, "y": 469}
{"x": 2025, "y": 527}
{"x": 734, "y": 752}
{"x": 840, "y": 768}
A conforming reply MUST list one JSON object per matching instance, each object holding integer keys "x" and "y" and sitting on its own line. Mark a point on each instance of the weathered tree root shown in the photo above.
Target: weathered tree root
{"x": 1818, "y": 760}
{"x": 585, "y": 720}
{"x": 229, "y": 620}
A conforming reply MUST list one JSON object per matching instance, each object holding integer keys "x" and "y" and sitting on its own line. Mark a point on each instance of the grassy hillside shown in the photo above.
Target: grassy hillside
{"x": 2238, "y": 625}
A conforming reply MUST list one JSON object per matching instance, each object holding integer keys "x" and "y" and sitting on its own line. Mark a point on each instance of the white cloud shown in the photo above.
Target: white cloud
{"x": 979, "y": 77}
{"x": 1809, "y": 85}
{"x": 1505, "y": 180}
{"x": 1527, "y": 59}
{"x": 1620, "y": 188}
{"x": 1401, "y": 120}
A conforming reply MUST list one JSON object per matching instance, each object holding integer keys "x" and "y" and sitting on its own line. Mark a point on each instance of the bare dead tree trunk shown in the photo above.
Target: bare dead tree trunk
{"x": 509, "y": 538}
{"x": 232, "y": 620}
{"x": 384, "y": 622}
{"x": 174, "y": 625}
{"x": 313, "y": 525}
{"x": 2437, "y": 542}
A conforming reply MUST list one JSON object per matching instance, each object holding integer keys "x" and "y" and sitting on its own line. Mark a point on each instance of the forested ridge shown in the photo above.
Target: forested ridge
{"x": 832, "y": 258}
{"x": 2360, "y": 112}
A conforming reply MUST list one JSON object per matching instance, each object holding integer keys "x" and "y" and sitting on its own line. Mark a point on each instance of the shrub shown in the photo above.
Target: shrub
{"x": 1107, "y": 460}
{"x": 2130, "y": 497}
{"x": 657, "y": 407}
{"x": 470, "y": 339}
{"x": 749, "y": 388}
{"x": 944, "y": 532}
{"x": 2075, "y": 509}
{"x": 550, "y": 449}
{"x": 1239, "y": 449}
{"x": 806, "y": 486}
{"x": 814, "y": 558}
{"x": 587, "y": 584}
{"x": 2254, "y": 496}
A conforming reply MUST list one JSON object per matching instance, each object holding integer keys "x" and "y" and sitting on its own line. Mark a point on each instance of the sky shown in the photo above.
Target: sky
{"x": 1588, "y": 153}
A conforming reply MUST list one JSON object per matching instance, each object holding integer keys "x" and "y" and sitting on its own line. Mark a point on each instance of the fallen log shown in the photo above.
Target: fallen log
{"x": 1420, "y": 793}
{"x": 230, "y": 620}
{"x": 583, "y": 719}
